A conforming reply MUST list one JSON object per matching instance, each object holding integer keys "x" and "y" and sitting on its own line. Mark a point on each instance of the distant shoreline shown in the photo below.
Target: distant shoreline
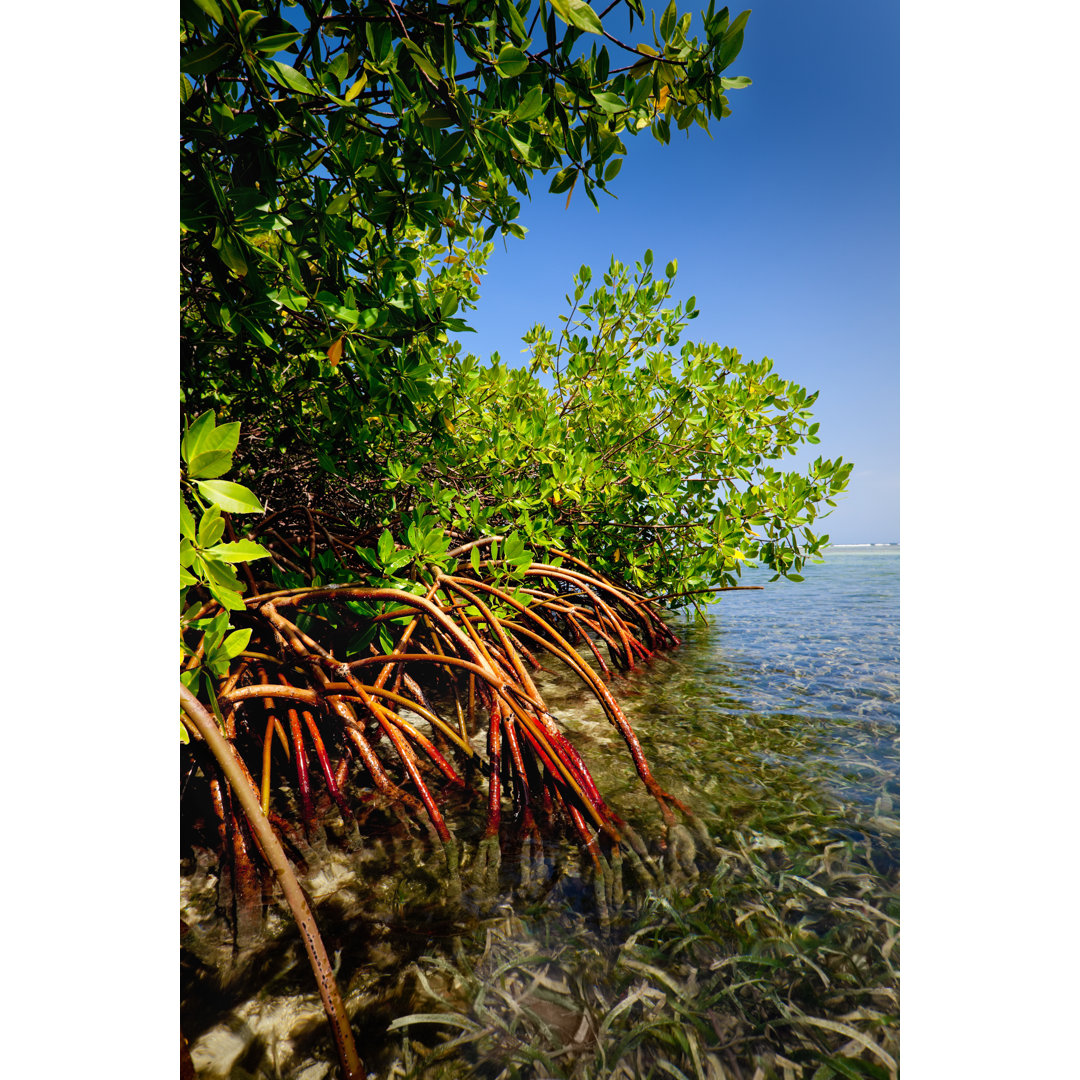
{"x": 893, "y": 543}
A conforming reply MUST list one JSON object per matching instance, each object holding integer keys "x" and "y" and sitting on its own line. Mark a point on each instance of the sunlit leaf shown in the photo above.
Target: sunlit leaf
{"x": 289, "y": 77}
{"x": 210, "y": 464}
{"x": 231, "y": 497}
{"x": 578, "y": 13}
{"x": 273, "y": 43}
{"x": 238, "y": 551}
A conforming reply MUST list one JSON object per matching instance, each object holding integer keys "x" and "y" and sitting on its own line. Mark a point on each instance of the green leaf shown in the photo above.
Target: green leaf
{"x": 452, "y": 148}
{"x": 525, "y": 149}
{"x": 289, "y": 77}
{"x": 511, "y": 62}
{"x": 339, "y": 69}
{"x": 738, "y": 83}
{"x": 211, "y": 8}
{"x": 288, "y": 298}
{"x": 422, "y": 60}
{"x": 227, "y": 598}
{"x": 438, "y": 118}
{"x": 206, "y": 58}
{"x": 235, "y": 643}
{"x": 385, "y": 546}
{"x": 453, "y": 1019}
{"x": 667, "y": 20}
{"x": 248, "y": 19}
{"x": 234, "y": 498}
{"x": 610, "y": 103}
{"x": 208, "y": 685}
{"x": 578, "y": 13}
{"x": 517, "y": 24}
{"x": 729, "y": 48}
{"x": 398, "y": 560}
{"x": 737, "y": 25}
{"x": 531, "y": 105}
{"x": 218, "y": 574}
{"x": 474, "y": 559}
{"x": 185, "y": 738}
{"x": 211, "y": 527}
{"x": 273, "y": 43}
{"x": 187, "y": 522}
{"x": 562, "y": 180}
{"x": 513, "y": 546}
{"x": 210, "y": 463}
{"x": 224, "y": 437}
{"x": 339, "y": 203}
{"x": 238, "y": 551}
{"x": 231, "y": 255}
{"x": 198, "y": 431}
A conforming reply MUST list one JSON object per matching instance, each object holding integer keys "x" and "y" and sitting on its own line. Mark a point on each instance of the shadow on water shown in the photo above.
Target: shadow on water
{"x": 779, "y": 724}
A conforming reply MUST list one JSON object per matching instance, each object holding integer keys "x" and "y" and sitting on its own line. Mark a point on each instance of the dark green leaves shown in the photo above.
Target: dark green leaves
{"x": 422, "y": 60}
{"x": 563, "y": 180}
{"x": 205, "y": 59}
{"x": 731, "y": 43}
{"x": 212, "y": 9}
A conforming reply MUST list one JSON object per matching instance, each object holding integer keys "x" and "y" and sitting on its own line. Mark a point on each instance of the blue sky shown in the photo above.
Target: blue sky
{"x": 785, "y": 226}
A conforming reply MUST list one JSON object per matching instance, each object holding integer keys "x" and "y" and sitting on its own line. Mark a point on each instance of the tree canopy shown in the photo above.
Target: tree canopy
{"x": 344, "y": 169}
{"x": 333, "y": 153}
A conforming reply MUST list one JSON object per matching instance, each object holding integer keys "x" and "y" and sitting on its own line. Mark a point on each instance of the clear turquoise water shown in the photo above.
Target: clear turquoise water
{"x": 825, "y": 651}
{"x": 791, "y": 689}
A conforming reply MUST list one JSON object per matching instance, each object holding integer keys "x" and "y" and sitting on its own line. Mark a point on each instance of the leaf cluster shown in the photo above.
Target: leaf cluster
{"x": 652, "y": 457}
{"x": 207, "y": 450}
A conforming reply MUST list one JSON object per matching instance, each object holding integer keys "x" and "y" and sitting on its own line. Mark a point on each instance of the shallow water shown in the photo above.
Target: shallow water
{"x": 797, "y": 683}
{"x": 778, "y": 723}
